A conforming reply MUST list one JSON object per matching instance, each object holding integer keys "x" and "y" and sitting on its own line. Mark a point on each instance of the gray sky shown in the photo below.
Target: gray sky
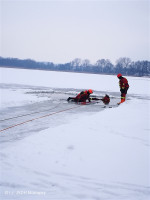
{"x": 60, "y": 31}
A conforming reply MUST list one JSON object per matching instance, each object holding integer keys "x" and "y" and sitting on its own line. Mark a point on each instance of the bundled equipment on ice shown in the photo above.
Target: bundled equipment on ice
{"x": 105, "y": 99}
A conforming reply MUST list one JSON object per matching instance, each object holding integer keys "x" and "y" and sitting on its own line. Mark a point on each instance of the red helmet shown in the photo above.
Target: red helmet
{"x": 90, "y": 91}
{"x": 119, "y": 75}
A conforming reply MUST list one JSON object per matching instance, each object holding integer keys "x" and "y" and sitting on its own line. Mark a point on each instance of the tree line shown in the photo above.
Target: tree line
{"x": 123, "y": 65}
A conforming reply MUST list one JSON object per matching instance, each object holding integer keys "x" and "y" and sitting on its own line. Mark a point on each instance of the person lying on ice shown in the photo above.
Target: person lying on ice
{"x": 85, "y": 95}
{"x": 124, "y": 86}
{"x": 82, "y": 96}
{"x": 105, "y": 99}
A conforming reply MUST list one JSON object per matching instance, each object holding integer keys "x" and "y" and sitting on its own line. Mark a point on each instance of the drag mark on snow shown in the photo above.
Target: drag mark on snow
{"x": 37, "y": 118}
{"x": 70, "y": 186}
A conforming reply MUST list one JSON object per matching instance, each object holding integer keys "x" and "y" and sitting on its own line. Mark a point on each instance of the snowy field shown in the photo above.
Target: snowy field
{"x": 54, "y": 150}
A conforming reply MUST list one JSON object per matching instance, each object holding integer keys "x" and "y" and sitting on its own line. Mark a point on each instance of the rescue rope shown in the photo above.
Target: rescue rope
{"x": 38, "y": 118}
{"x": 27, "y": 114}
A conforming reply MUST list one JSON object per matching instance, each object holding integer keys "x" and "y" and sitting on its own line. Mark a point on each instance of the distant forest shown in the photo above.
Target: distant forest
{"x": 103, "y": 66}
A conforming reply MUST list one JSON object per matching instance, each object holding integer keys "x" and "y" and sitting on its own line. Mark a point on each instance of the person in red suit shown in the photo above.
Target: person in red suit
{"x": 82, "y": 96}
{"x": 85, "y": 95}
{"x": 124, "y": 86}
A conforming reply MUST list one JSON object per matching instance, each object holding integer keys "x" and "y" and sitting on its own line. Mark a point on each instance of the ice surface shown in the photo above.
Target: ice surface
{"x": 88, "y": 152}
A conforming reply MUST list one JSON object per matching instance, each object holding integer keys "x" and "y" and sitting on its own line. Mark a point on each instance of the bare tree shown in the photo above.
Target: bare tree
{"x": 77, "y": 62}
{"x": 124, "y": 62}
{"x": 86, "y": 63}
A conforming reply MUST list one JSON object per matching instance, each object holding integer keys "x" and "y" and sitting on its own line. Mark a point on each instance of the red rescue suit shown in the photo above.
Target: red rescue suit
{"x": 124, "y": 86}
{"x": 82, "y": 96}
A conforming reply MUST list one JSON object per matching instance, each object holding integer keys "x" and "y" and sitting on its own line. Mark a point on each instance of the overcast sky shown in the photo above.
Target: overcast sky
{"x": 60, "y": 31}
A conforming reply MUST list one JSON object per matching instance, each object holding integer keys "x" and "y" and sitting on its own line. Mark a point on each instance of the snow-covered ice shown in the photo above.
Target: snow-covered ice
{"x": 88, "y": 152}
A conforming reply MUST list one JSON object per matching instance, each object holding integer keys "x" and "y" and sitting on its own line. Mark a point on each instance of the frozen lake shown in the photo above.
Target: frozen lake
{"x": 51, "y": 149}
{"x": 35, "y": 102}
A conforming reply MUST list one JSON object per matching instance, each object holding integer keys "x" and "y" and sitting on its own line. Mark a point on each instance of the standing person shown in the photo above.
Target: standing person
{"x": 82, "y": 96}
{"x": 124, "y": 86}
